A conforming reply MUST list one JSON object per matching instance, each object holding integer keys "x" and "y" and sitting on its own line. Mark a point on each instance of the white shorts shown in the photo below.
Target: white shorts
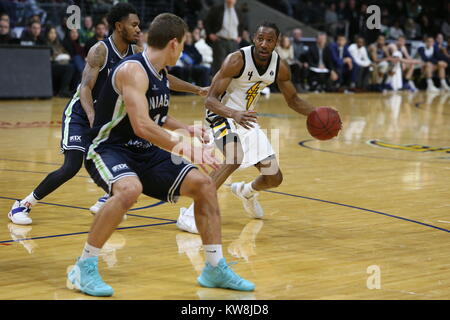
{"x": 254, "y": 141}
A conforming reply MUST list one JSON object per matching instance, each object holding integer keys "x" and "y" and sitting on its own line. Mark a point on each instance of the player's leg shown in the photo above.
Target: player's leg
{"x": 73, "y": 160}
{"x": 125, "y": 187}
{"x": 216, "y": 273}
{"x": 231, "y": 148}
{"x": 442, "y": 65}
{"x": 429, "y": 68}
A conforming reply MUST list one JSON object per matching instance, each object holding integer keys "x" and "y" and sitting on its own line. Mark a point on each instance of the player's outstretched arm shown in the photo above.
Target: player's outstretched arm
{"x": 95, "y": 60}
{"x": 230, "y": 69}
{"x": 290, "y": 93}
{"x": 176, "y": 84}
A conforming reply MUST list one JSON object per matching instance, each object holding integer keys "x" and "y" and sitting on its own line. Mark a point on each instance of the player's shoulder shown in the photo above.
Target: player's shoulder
{"x": 97, "y": 53}
{"x": 233, "y": 64}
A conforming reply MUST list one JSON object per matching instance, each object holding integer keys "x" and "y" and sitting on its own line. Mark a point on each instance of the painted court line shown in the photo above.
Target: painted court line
{"x": 83, "y": 232}
{"x": 81, "y": 208}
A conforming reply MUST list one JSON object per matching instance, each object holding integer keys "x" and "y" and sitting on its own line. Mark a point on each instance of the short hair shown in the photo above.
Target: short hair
{"x": 99, "y": 23}
{"x": 119, "y": 12}
{"x": 164, "y": 28}
{"x": 267, "y": 24}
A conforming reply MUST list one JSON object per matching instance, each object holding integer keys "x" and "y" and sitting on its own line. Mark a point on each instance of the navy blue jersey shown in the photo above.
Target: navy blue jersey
{"x": 112, "y": 125}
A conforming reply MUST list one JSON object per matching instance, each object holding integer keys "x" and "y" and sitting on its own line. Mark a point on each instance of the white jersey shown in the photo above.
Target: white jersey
{"x": 244, "y": 90}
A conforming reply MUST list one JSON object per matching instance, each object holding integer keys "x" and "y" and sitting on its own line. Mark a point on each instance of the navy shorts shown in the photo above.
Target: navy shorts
{"x": 75, "y": 125}
{"x": 160, "y": 172}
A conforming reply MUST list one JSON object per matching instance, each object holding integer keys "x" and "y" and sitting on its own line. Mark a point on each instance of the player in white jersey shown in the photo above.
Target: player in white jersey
{"x": 231, "y": 114}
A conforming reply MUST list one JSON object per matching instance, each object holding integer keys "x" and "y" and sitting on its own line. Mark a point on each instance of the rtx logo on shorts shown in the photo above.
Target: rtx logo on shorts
{"x": 119, "y": 167}
{"x": 75, "y": 138}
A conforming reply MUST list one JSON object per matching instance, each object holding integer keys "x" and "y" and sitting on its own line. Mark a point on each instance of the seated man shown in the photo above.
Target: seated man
{"x": 321, "y": 65}
{"x": 342, "y": 60}
{"x": 362, "y": 66}
{"x": 380, "y": 56}
{"x": 432, "y": 62}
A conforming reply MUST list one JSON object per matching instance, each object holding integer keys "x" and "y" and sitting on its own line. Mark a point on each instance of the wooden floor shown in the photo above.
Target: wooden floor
{"x": 345, "y": 208}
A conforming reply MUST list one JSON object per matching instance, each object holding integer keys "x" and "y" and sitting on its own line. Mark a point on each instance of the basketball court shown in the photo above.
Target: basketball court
{"x": 363, "y": 216}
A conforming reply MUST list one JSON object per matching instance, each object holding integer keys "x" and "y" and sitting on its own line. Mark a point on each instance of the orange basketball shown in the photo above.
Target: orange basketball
{"x": 324, "y": 123}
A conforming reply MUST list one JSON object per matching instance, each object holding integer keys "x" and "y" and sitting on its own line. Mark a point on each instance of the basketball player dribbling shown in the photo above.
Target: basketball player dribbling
{"x": 78, "y": 116}
{"x": 131, "y": 154}
{"x": 235, "y": 91}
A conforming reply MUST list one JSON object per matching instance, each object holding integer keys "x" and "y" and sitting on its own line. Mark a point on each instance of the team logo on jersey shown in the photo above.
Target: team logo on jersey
{"x": 252, "y": 93}
{"x": 75, "y": 138}
{"x": 118, "y": 167}
{"x": 408, "y": 147}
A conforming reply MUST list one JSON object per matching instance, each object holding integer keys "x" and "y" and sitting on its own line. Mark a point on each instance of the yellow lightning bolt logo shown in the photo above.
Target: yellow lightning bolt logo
{"x": 252, "y": 93}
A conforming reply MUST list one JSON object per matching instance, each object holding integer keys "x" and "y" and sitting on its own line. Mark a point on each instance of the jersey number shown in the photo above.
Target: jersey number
{"x": 250, "y": 74}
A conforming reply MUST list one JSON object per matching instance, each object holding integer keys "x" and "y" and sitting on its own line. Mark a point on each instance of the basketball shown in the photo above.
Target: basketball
{"x": 324, "y": 123}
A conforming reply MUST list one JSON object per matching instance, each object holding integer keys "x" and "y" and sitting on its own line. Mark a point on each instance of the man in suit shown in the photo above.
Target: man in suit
{"x": 342, "y": 59}
{"x": 322, "y": 70}
{"x": 224, "y": 24}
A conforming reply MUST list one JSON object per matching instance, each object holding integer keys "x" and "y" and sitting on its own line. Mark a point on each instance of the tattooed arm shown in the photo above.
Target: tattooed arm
{"x": 95, "y": 60}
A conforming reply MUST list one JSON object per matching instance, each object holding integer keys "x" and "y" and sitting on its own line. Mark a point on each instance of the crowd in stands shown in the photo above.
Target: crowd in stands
{"x": 345, "y": 56}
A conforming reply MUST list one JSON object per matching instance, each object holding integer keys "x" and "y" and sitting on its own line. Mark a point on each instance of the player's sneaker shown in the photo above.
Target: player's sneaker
{"x": 223, "y": 276}
{"x": 186, "y": 222}
{"x": 432, "y": 88}
{"x": 84, "y": 276}
{"x": 19, "y": 214}
{"x": 99, "y": 204}
{"x": 251, "y": 204}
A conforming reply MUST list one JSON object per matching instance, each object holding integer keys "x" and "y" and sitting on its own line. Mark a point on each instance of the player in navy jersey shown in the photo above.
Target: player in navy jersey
{"x": 78, "y": 115}
{"x": 132, "y": 154}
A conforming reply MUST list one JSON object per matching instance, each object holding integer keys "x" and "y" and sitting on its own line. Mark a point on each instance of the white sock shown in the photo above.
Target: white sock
{"x": 430, "y": 82}
{"x": 190, "y": 210}
{"x": 412, "y": 84}
{"x": 213, "y": 253}
{"x": 29, "y": 201}
{"x": 443, "y": 83}
{"x": 89, "y": 251}
{"x": 247, "y": 190}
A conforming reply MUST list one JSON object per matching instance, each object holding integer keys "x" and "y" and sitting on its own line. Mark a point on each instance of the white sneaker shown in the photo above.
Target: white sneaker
{"x": 186, "y": 222}
{"x": 100, "y": 203}
{"x": 445, "y": 87}
{"x": 251, "y": 204}
{"x": 432, "y": 88}
{"x": 19, "y": 214}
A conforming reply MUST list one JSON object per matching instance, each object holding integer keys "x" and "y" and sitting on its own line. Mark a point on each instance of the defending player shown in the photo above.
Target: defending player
{"x": 78, "y": 115}
{"x": 235, "y": 89}
{"x": 128, "y": 157}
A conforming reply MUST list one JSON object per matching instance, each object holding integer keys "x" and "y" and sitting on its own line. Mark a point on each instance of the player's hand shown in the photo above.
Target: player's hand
{"x": 202, "y": 156}
{"x": 245, "y": 118}
{"x": 200, "y": 133}
{"x": 203, "y": 91}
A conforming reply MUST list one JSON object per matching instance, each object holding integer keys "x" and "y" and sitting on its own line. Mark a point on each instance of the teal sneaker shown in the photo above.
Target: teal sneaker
{"x": 84, "y": 276}
{"x": 223, "y": 276}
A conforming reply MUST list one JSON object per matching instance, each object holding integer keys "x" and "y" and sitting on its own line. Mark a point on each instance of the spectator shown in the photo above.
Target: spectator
{"x": 201, "y": 27}
{"x": 77, "y": 54}
{"x": 87, "y": 30}
{"x": 445, "y": 27}
{"x": 412, "y": 29}
{"x": 395, "y": 31}
{"x": 62, "y": 29}
{"x": 413, "y": 9}
{"x": 331, "y": 19}
{"x": 100, "y": 34}
{"x": 431, "y": 58}
{"x": 62, "y": 70}
{"x": 286, "y": 52}
{"x": 5, "y": 34}
{"x": 202, "y": 47}
{"x": 321, "y": 66}
{"x": 300, "y": 55}
{"x": 361, "y": 64}
{"x": 342, "y": 60}
{"x": 379, "y": 54}
{"x": 245, "y": 39}
{"x": 223, "y": 25}
{"x": 104, "y": 20}
{"x": 32, "y": 36}
{"x": 189, "y": 67}
{"x": 407, "y": 62}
